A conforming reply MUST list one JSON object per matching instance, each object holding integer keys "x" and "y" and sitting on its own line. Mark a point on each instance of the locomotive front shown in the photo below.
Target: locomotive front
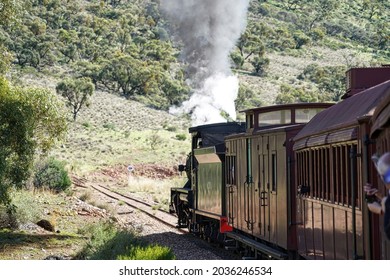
{"x": 199, "y": 203}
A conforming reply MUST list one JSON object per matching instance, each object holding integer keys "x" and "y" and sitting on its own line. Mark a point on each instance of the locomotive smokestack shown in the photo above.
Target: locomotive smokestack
{"x": 208, "y": 30}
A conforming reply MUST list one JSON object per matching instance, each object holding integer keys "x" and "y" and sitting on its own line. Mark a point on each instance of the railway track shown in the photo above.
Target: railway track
{"x": 199, "y": 248}
{"x": 142, "y": 206}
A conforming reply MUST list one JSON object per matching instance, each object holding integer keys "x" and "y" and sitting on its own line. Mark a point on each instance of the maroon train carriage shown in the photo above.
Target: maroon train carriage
{"x": 380, "y": 134}
{"x": 333, "y": 162}
{"x": 258, "y": 179}
{"x": 291, "y": 184}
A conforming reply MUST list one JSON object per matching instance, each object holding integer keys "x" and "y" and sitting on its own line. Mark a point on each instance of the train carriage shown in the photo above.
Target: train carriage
{"x": 380, "y": 135}
{"x": 259, "y": 195}
{"x": 289, "y": 184}
{"x": 333, "y": 154}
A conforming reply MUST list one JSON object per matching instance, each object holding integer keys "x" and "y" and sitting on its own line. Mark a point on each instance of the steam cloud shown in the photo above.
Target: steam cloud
{"x": 208, "y": 30}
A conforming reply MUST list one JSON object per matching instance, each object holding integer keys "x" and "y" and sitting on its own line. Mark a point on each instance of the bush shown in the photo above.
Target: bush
{"x": 300, "y": 39}
{"x": 317, "y": 34}
{"x": 24, "y": 210}
{"x": 151, "y": 252}
{"x": 52, "y": 175}
{"x": 181, "y": 137}
{"x": 107, "y": 242}
{"x": 237, "y": 59}
{"x": 247, "y": 98}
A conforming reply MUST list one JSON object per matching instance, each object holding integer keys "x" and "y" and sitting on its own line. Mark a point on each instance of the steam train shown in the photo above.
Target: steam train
{"x": 288, "y": 183}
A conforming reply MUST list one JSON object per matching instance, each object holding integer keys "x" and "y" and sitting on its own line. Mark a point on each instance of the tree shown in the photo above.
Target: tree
{"x": 291, "y": 94}
{"x": 31, "y": 120}
{"x": 5, "y": 60}
{"x": 250, "y": 42}
{"x": 237, "y": 59}
{"x": 319, "y": 10}
{"x": 9, "y": 10}
{"x": 247, "y": 98}
{"x": 260, "y": 64}
{"x": 330, "y": 80}
{"x": 76, "y": 91}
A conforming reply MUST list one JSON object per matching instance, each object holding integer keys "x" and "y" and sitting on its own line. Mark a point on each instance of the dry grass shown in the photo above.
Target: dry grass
{"x": 154, "y": 190}
{"x": 114, "y": 130}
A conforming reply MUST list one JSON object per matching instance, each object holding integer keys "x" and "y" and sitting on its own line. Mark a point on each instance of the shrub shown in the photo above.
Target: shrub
{"x": 154, "y": 140}
{"x": 25, "y": 210}
{"x": 300, "y": 39}
{"x": 52, "y": 174}
{"x": 260, "y": 65}
{"x": 107, "y": 242}
{"x": 151, "y": 252}
{"x": 171, "y": 128}
{"x": 317, "y": 34}
{"x": 109, "y": 126}
{"x": 237, "y": 59}
{"x": 181, "y": 137}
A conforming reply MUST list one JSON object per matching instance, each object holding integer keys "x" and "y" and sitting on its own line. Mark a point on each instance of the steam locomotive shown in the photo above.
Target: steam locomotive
{"x": 288, "y": 183}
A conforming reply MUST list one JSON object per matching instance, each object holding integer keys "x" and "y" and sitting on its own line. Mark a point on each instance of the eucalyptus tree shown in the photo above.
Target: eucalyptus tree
{"x": 76, "y": 92}
{"x": 10, "y": 10}
{"x": 31, "y": 121}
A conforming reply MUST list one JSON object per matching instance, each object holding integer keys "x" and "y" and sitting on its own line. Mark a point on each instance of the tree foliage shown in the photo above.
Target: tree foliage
{"x": 9, "y": 10}
{"x": 123, "y": 45}
{"x": 299, "y": 94}
{"x": 51, "y": 174}
{"x": 76, "y": 92}
{"x": 247, "y": 98}
{"x": 31, "y": 120}
{"x": 330, "y": 80}
{"x": 260, "y": 64}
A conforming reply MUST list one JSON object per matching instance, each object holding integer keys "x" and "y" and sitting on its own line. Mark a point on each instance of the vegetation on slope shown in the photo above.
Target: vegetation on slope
{"x": 125, "y": 46}
{"x": 291, "y": 51}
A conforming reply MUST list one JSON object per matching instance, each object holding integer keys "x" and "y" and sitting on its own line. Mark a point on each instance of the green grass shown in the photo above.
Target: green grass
{"x": 150, "y": 252}
{"x": 107, "y": 242}
{"x": 12, "y": 241}
{"x": 30, "y": 206}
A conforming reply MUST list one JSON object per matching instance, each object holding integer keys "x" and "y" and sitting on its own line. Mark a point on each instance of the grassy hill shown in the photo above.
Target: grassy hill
{"x": 114, "y": 130}
{"x": 83, "y": 38}
{"x": 126, "y": 49}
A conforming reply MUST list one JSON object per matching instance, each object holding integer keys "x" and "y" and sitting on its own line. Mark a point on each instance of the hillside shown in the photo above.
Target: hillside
{"x": 289, "y": 51}
{"x": 105, "y": 40}
{"x": 127, "y": 49}
{"x": 113, "y": 130}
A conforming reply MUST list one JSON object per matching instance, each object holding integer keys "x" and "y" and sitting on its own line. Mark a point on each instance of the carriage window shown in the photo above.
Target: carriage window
{"x": 329, "y": 173}
{"x": 249, "y": 121}
{"x": 249, "y": 161}
{"x": 231, "y": 170}
{"x": 305, "y": 115}
{"x": 274, "y": 172}
{"x": 275, "y": 117}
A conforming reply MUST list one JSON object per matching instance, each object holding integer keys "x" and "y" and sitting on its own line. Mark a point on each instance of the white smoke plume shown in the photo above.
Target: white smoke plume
{"x": 208, "y": 30}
